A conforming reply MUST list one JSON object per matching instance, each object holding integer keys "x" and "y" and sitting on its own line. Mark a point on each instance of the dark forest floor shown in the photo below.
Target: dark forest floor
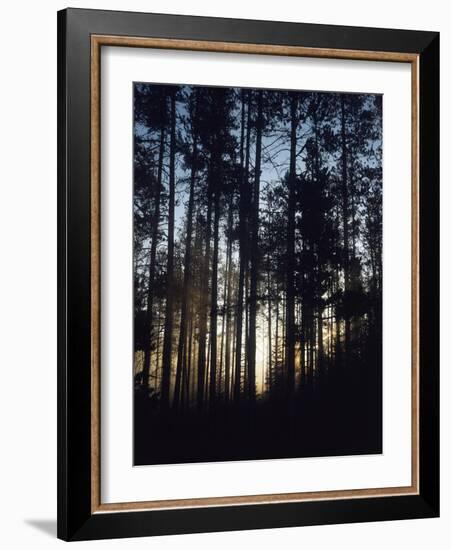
{"x": 342, "y": 416}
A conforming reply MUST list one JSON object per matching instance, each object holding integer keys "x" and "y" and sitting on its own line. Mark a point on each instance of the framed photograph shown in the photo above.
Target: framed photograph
{"x": 248, "y": 274}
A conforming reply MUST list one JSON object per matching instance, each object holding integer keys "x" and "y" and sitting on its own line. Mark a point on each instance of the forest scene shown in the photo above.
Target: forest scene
{"x": 257, "y": 273}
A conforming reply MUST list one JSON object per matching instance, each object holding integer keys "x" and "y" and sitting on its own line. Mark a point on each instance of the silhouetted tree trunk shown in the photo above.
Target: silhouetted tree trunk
{"x": 186, "y": 295}
{"x": 303, "y": 354}
{"x": 201, "y": 371}
{"x": 223, "y": 328}
{"x": 148, "y": 325}
{"x": 188, "y": 360}
{"x": 246, "y": 330}
{"x": 276, "y": 351}
{"x": 345, "y": 206}
{"x": 269, "y": 328}
{"x": 214, "y": 289}
{"x": 316, "y": 247}
{"x": 169, "y": 315}
{"x": 290, "y": 265}
{"x": 228, "y": 303}
{"x": 320, "y": 342}
{"x": 254, "y": 263}
{"x": 243, "y": 205}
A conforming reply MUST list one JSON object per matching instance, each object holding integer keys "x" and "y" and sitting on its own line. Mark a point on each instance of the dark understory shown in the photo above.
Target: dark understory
{"x": 342, "y": 416}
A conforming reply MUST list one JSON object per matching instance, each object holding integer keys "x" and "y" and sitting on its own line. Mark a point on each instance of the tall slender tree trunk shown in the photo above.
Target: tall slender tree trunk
{"x": 254, "y": 263}
{"x": 233, "y": 353}
{"x": 187, "y": 277}
{"x": 317, "y": 251}
{"x": 201, "y": 363}
{"x": 148, "y": 325}
{"x": 214, "y": 292}
{"x": 189, "y": 360}
{"x": 221, "y": 352}
{"x": 228, "y": 312}
{"x": 243, "y": 243}
{"x": 276, "y": 350}
{"x": 158, "y": 346}
{"x": 169, "y": 314}
{"x": 183, "y": 385}
{"x": 223, "y": 324}
{"x": 311, "y": 344}
{"x": 290, "y": 264}
{"x": 345, "y": 206}
{"x": 303, "y": 354}
{"x": 338, "y": 346}
{"x": 246, "y": 331}
{"x": 320, "y": 343}
{"x": 353, "y": 207}
{"x": 269, "y": 329}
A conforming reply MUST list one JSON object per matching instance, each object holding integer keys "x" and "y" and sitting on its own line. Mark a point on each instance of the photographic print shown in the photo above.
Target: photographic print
{"x": 257, "y": 268}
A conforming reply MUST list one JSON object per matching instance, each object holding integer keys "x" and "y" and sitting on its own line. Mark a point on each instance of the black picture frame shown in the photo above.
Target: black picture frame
{"x": 75, "y": 518}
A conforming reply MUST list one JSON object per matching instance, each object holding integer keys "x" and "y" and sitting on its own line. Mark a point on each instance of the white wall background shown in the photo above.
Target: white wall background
{"x": 28, "y": 272}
